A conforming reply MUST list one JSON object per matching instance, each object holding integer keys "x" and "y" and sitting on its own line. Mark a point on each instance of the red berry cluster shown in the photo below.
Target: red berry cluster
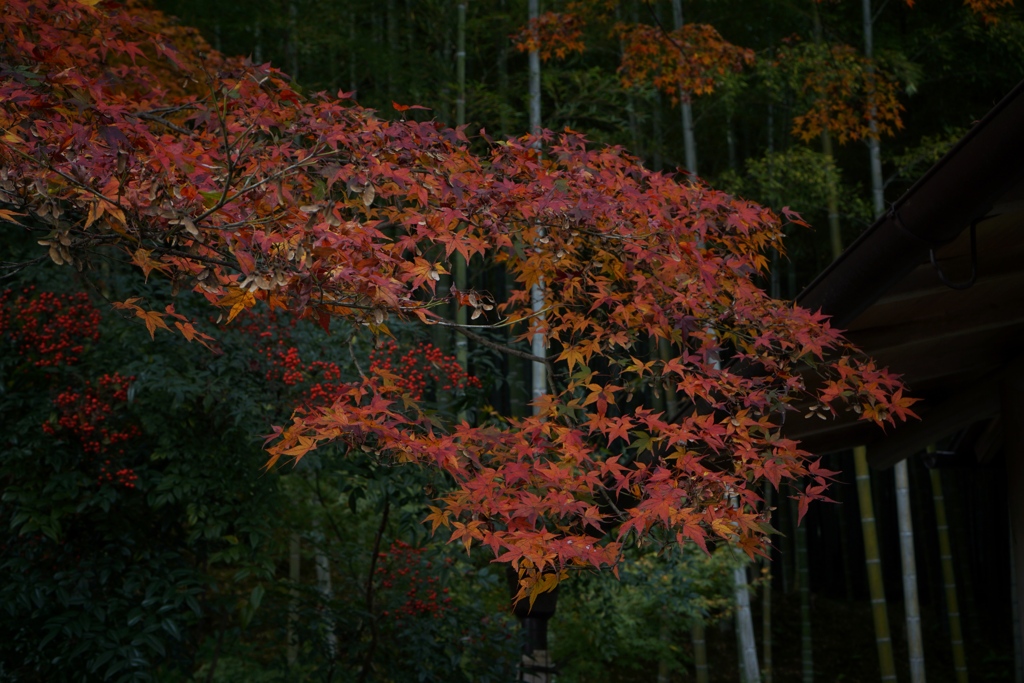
{"x": 326, "y": 390}
{"x": 285, "y": 365}
{"x": 84, "y": 416}
{"x": 421, "y": 366}
{"x": 125, "y": 476}
{"x": 49, "y": 329}
{"x": 404, "y": 565}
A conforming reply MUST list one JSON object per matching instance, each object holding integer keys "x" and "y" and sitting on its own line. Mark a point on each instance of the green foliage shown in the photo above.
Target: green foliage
{"x": 799, "y": 178}
{"x": 912, "y": 163}
{"x": 644, "y": 617}
{"x": 163, "y": 555}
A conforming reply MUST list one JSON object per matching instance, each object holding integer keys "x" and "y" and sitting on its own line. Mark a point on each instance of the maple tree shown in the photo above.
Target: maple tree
{"x": 123, "y": 131}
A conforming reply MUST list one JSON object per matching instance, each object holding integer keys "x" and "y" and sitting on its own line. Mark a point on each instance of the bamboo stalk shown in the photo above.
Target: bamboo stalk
{"x": 294, "y": 573}
{"x": 665, "y": 636}
{"x": 460, "y": 65}
{"x": 913, "y": 612}
{"x": 745, "y": 627}
{"x": 949, "y": 579}
{"x": 533, "y": 8}
{"x": 766, "y": 602}
{"x": 685, "y": 107}
{"x": 700, "y": 650}
{"x": 883, "y": 639}
{"x": 803, "y": 577}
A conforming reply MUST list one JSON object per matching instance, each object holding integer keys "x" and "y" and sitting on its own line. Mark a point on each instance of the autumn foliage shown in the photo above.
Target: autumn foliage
{"x": 988, "y": 10}
{"x": 841, "y": 91}
{"x": 552, "y": 34}
{"x": 692, "y": 59}
{"x": 121, "y": 131}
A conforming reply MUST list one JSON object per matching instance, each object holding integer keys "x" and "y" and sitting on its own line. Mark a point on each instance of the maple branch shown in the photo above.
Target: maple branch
{"x": 227, "y": 153}
{"x": 484, "y": 341}
{"x": 244, "y": 223}
{"x": 12, "y": 268}
{"x": 62, "y": 174}
{"x": 197, "y": 257}
{"x": 161, "y": 120}
{"x": 313, "y": 156}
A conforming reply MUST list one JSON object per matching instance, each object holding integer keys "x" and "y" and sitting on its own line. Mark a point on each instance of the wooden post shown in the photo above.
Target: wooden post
{"x": 1013, "y": 427}
{"x": 883, "y": 640}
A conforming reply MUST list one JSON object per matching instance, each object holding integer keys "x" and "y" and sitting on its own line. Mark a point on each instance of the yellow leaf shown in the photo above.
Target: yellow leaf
{"x": 142, "y": 259}
{"x": 571, "y": 356}
{"x": 238, "y": 300}
{"x": 9, "y": 216}
{"x": 153, "y": 320}
{"x": 546, "y": 583}
{"x": 305, "y": 445}
{"x": 95, "y": 211}
{"x": 723, "y": 528}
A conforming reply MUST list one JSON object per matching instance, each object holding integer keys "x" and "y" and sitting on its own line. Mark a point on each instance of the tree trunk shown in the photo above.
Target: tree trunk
{"x": 831, "y": 181}
{"x": 949, "y": 579}
{"x": 257, "y": 50}
{"x": 293, "y": 40}
{"x": 461, "y": 343}
{"x": 700, "y": 650}
{"x": 730, "y": 140}
{"x": 658, "y": 142}
{"x": 803, "y": 579}
{"x": 538, "y": 376}
{"x": 832, "y": 196}
{"x": 766, "y": 602}
{"x": 913, "y": 612}
{"x": 460, "y": 65}
{"x": 534, "y": 60}
{"x": 689, "y": 142}
{"x": 326, "y": 592}
{"x": 294, "y": 575}
{"x": 538, "y": 381}
{"x": 634, "y": 129}
{"x": 353, "y": 84}
{"x": 391, "y": 21}
{"x": 503, "y": 78}
{"x": 877, "y": 188}
{"x": 745, "y": 627}
{"x": 665, "y": 638}
{"x": 874, "y": 567}
{"x": 1018, "y": 649}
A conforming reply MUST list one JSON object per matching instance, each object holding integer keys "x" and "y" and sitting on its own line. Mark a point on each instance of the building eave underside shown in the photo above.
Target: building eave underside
{"x": 951, "y": 346}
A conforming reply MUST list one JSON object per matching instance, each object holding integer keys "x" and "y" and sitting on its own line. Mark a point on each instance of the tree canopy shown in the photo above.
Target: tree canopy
{"x": 124, "y": 133}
